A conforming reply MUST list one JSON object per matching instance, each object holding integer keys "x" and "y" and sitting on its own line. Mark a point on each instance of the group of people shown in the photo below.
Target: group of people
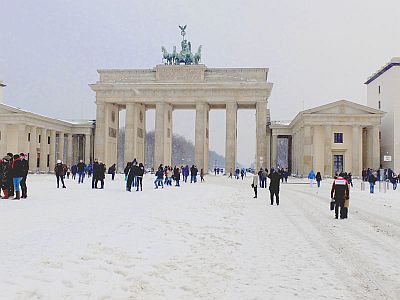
{"x": 134, "y": 173}
{"x": 275, "y": 177}
{"x": 14, "y": 170}
{"x": 386, "y": 175}
{"x": 97, "y": 169}
{"x": 166, "y": 174}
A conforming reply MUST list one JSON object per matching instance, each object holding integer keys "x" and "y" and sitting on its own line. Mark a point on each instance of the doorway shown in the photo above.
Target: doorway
{"x": 338, "y": 164}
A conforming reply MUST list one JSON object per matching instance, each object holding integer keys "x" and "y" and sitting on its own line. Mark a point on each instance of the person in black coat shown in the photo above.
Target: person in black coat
{"x": 140, "y": 177}
{"x": 25, "y": 167}
{"x": 59, "y": 170}
{"x": 133, "y": 173}
{"x": 5, "y": 173}
{"x": 95, "y": 173}
{"x": 177, "y": 176}
{"x": 101, "y": 174}
{"x": 275, "y": 178}
{"x": 18, "y": 173}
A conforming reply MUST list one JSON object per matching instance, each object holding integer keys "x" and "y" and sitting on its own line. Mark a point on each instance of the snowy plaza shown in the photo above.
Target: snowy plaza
{"x": 207, "y": 240}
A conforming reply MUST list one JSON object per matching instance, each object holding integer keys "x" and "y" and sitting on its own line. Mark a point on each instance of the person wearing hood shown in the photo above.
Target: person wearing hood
{"x": 59, "y": 171}
{"x": 275, "y": 178}
{"x": 5, "y": 170}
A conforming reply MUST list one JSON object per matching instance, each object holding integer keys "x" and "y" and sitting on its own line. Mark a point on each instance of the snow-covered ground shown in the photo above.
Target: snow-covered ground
{"x": 199, "y": 241}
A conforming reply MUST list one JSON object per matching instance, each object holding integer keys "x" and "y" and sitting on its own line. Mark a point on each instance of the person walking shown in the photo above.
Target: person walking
{"x": 275, "y": 180}
{"x": 112, "y": 170}
{"x": 318, "y": 178}
{"x": 371, "y": 180}
{"x": 193, "y": 174}
{"x": 311, "y": 177}
{"x": 59, "y": 171}
{"x": 254, "y": 185}
{"x": 25, "y": 168}
{"x": 201, "y": 175}
{"x": 80, "y": 167}
{"x": 340, "y": 192}
{"x": 159, "y": 178}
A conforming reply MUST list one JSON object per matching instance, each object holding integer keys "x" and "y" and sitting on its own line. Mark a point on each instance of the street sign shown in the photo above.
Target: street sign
{"x": 387, "y": 158}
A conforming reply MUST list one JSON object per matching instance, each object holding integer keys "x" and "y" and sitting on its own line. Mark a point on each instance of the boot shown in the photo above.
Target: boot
{"x": 17, "y": 196}
{"x": 5, "y": 191}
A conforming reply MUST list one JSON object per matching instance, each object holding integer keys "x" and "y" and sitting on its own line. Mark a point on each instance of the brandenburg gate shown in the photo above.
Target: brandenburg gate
{"x": 180, "y": 83}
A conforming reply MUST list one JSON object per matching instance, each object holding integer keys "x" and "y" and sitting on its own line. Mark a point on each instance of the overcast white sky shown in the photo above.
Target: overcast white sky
{"x": 318, "y": 51}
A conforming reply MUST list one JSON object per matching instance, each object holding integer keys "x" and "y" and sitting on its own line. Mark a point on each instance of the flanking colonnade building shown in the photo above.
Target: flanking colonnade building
{"x": 43, "y": 139}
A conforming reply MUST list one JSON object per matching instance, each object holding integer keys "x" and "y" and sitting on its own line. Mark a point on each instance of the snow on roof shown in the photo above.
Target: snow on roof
{"x": 395, "y": 61}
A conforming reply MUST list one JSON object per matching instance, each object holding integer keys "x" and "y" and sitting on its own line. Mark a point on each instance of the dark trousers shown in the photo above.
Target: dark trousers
{"x": 276, "y": 193}
{"x": 24, "y": 188}
{"x": 93, "y": 181}
{"x": 139, "y": 182}
{"x": 10, "y": 184}
{"x": 339, "y": 203}
{"x": 58, "y": 180}
{"x": 129, "y": 181}
{"x": 101, "y": 183}
{"x": 255, "y": 192}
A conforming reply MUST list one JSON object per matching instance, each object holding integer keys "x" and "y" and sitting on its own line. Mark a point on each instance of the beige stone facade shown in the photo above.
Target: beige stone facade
{"x": 340, "y": 135}
{"x": 169, "y": 87}
{"x": 44, "y": 139}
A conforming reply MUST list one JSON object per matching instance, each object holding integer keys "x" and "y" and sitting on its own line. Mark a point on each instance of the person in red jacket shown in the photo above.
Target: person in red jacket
{"x": 340, "y": 192}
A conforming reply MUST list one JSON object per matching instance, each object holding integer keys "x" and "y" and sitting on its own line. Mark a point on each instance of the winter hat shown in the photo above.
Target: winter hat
{"x": 58, "y": 161}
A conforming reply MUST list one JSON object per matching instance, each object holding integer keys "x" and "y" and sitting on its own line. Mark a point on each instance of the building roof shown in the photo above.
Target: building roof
{"x": 80, "y": 123}
{"x": 394, "y": 62}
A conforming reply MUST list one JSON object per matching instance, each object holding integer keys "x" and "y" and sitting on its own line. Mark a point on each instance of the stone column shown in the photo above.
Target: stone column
{"x": 307, "y": 149}
{"x": 201, "y": 136}
{"x": 129, "y": 133}
{"x": 3, "y": 138}
{"x": 69, "y": 150}
{"x": 33, "y": 145}
{"x": 356, "y": 151}
{"x": 328, "y": 151}
{"x": 294, "y": 153}
{"x": 163, "y": 135}
{"x": 231, "y": 137}
{"x": 61, "y": 139}
{"x": 262, "y": 150}
{"x": 22, "y": 139}
{"x": 52, "y": 150}
{"x": 87, "y": 148}
{"x": 376, "y": 155}
{"x": 274, "y": 151}
{"x": 43, "y": 151}
{"x": 100, "y": 136}
{"x": 135, "y": 132}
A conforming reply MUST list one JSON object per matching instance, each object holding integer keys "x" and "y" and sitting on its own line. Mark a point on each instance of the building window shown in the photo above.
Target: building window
{"x": 40, "y": 137}
{"x": 0, "y": 135}
{"x": 29, "y": 136}
{"x": 338, "y": 137}
{"x": 379, "y": 104}
{"x": 379, "y": 89}
{"x": 48, "y": 140}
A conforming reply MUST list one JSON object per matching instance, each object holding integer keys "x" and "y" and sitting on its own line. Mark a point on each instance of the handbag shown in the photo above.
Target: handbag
{"x": 252, "y": 185}
{"x": 332, "y": 204}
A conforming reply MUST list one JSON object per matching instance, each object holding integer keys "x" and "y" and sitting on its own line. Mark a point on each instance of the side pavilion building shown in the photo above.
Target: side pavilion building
{"x": 339, "y": 136}
{"x": 44, "y": 139}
